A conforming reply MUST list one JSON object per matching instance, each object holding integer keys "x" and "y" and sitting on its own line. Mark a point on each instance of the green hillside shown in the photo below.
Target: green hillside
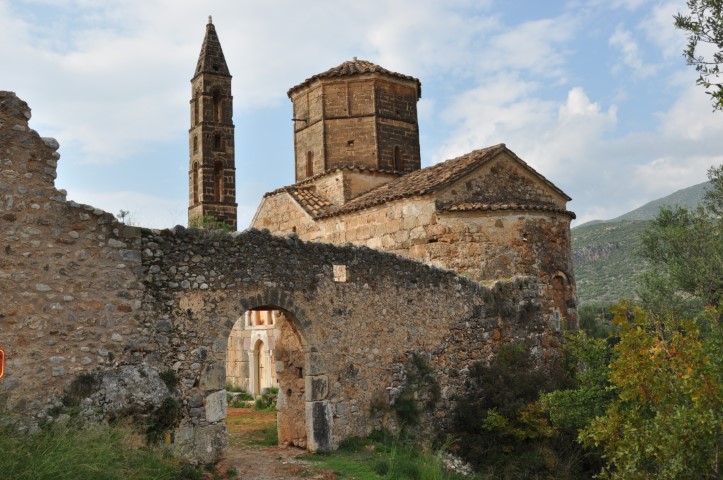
{"x": 603, "y": 252}
{"x": 688, "y": 197}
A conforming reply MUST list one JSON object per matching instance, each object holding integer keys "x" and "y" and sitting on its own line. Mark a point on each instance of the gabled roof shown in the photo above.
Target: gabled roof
{"x": 421, "y": 182}
{"x": 211, "y": 59}
{"x": 355, "y": 67}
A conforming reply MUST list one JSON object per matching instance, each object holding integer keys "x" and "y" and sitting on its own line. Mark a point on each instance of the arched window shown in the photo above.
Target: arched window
{"x": 195, "y": 144}
{"x": 216, "y": 107}
{"x": 195, "y": 183}
{"x": 195, "y": 110}
{"x": 218, "y": 181}
{"x": 397, "y": 158}
{"x": 217, "y": 141}
{"x": 561, "y": 297}
{"x": 309, "y": 164}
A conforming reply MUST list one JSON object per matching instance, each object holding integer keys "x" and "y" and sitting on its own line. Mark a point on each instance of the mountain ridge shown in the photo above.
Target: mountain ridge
{"x": 604, "y": 251}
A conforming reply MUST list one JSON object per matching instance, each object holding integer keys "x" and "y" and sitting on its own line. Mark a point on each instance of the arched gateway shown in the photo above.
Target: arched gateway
{"x": 345, "y": 340}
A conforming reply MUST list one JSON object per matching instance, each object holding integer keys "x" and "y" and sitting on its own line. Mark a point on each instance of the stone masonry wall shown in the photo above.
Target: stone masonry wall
{"x": 198, "y": 286}
{"x": 356, "y": 120}
{"x": 83, "y": 294}
{"x": 70, "y": 275}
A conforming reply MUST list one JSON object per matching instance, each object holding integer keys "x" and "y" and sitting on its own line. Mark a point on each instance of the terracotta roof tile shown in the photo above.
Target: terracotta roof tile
{"x": 419, "y": 182}
{"x": 472, "y": 207}
{"x": 309, "y": 201}
{"x": 355, "y": 67}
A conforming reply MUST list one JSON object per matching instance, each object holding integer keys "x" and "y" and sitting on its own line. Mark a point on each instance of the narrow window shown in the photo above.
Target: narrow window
{"x": 216, "y": 107}
{"x": 309, "y": 164}
{"x": 218, "y": 181}
{"x": 195, "y": 183}
{"x": 217, "y": 141}
{"x": 397, "y": 158}
{"x": 195, "y": 110}
{"x": 195, "y": 144}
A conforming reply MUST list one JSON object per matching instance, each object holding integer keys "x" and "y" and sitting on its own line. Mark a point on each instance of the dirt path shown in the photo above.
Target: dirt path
{"x": 249, "y": 452}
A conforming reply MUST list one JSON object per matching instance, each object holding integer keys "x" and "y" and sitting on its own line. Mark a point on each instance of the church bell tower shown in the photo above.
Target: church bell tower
{"x": 212, "y": 169}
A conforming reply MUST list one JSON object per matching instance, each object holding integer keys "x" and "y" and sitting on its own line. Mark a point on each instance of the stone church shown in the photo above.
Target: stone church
{"x": 365, "y": 266}
{"x": 487, "y": 214}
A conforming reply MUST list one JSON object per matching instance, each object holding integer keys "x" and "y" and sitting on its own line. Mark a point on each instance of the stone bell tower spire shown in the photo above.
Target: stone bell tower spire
{"x": 212, "y": 169}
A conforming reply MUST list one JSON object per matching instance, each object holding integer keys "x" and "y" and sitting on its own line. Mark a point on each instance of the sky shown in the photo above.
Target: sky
{"x": 595, "y": 95}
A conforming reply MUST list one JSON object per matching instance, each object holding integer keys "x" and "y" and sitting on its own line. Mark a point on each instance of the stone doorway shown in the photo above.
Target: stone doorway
{"x": 266, "y": 350}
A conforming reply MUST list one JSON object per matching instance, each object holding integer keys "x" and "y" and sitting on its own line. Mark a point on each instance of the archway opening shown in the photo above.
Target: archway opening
{"x": 266, "y": 358}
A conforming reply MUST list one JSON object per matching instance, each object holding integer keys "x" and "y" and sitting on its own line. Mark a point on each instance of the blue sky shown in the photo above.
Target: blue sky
{"x": 593, "y": 94}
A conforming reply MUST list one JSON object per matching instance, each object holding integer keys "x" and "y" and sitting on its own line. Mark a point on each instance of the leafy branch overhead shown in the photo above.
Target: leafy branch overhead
{"x": 704, "y": 27}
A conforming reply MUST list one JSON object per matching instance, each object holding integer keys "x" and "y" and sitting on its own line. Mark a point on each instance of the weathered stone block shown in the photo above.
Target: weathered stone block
{"x": 319, "y": 418}
{"x": 215, "y": 405}
{"x": 213, "y": 377}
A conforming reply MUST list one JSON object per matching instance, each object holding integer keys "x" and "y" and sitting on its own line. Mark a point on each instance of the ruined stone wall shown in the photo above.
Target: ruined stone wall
{"x": 139, "y": 310}
{"x": 355, "y": 336}
{"x": 70, "y": 275}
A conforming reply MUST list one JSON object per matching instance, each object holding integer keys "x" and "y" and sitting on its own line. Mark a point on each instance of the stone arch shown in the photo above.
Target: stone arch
{"x": 302, "y": 419}
{"x": 562, "y": 297}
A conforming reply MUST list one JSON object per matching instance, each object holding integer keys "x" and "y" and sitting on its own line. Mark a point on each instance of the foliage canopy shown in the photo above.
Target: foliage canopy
{"x": 704, "y": 25}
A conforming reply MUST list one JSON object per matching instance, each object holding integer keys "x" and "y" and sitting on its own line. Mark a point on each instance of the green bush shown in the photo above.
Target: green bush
{"x": 68, "y": 453}
{"x": 503, "y": 430}
{"x": 170, "y": 378}
{"x": 163, "y": 419}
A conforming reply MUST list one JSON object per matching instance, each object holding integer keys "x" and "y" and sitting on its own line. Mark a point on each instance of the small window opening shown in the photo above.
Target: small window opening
{"x": 195, "y": 183}
{"x": 299, "y": 372}
{"x": 309, "y": 164}
{"x": 195, "y": 144}
{"x": 350, "y": 143}
{"x": 216, "y": 107}
{"x": 195, "y": 111}
{"x": 397, "y": 158}
{"x": 217, "y": 141}
{"x": 218, "y": 181}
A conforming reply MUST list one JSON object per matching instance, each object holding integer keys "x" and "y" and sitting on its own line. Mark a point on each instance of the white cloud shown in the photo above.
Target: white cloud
{"x": 110, "y": 80}
{"x": 630, "y": 52}
{"x": 658, "y": 30}
{"x": 691, "y": 117}
{"x": 538, "y": 46}
{"x": 487, "y": 114}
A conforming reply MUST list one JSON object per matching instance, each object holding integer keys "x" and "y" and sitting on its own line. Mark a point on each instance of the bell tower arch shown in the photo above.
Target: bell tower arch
{"x": 212, "y": 168}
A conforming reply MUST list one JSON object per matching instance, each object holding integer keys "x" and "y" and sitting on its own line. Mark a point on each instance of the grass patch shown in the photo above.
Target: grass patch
{"x": 248, "y": 428}
{"x": 383, "y": 456}
{"x": 65, "y": 452}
